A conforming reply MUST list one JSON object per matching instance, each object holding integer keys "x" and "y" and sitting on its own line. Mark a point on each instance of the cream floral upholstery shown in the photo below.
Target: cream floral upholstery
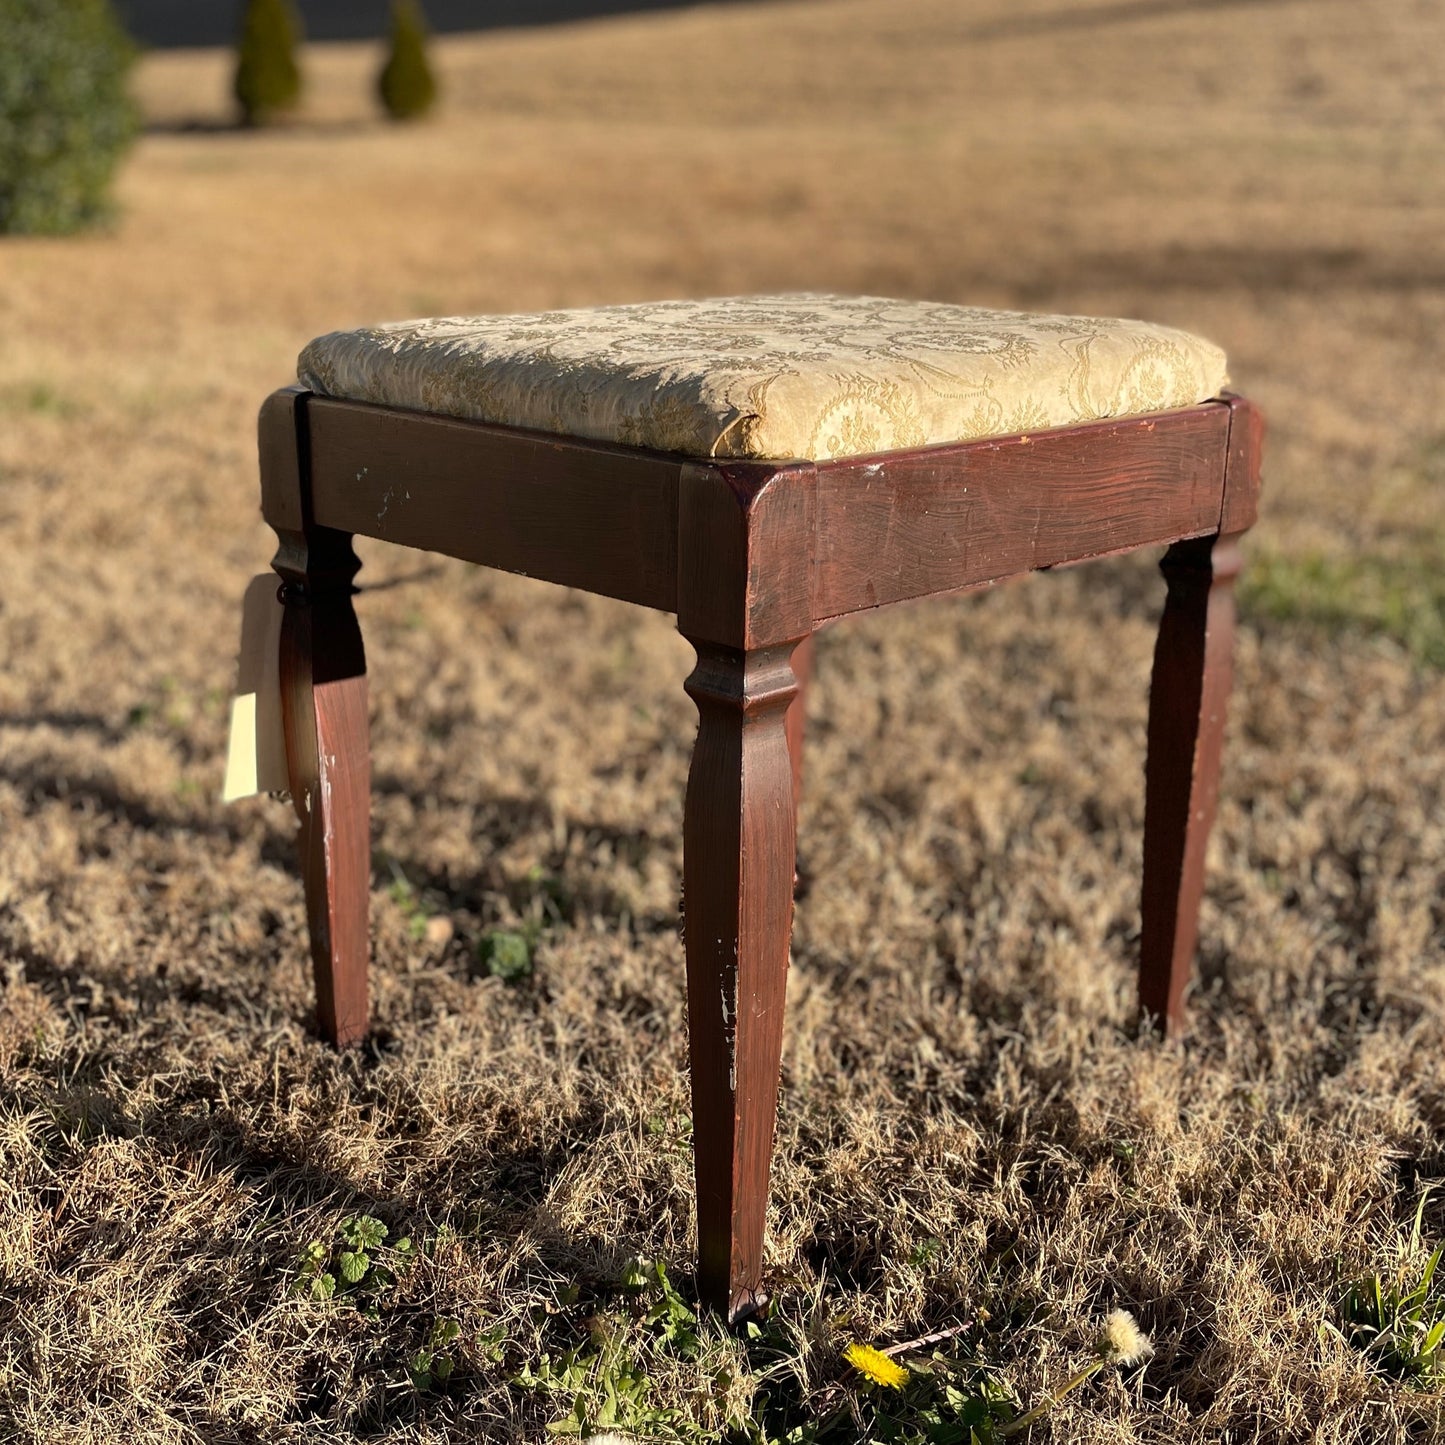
{"x": 771, "y": 376}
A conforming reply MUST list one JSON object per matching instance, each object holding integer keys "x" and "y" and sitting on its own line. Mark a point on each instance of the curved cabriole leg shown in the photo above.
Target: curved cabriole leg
{"x": 323, "y": 708}
{"x": 738, "y": 846}
{"x": 1188, "y": 698}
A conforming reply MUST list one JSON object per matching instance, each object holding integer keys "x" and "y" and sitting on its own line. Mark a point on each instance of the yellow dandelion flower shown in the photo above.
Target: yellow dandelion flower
{"x": 876, "y": 1366}
{"x": 1122, "y": 1341}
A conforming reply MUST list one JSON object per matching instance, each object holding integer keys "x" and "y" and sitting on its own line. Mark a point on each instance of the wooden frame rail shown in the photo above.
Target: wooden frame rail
{"x": 887, "y": 528}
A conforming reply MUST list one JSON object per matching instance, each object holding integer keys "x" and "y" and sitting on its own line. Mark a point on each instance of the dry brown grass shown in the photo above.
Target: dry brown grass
{"x": 960, "y": 1066}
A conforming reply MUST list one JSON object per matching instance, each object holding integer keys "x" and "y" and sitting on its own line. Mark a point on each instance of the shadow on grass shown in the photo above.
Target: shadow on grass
{"x": 557, "y": 894}
{"x": 53, "y": 778}
{"x": 98, "y": 726}
{"x": 555, "y": 887}
{"x": 1272, "y": 269}
{"x": 1098, "y": 17}
{"x": 298, "y": 125}
{"x": 204, "y": 1134}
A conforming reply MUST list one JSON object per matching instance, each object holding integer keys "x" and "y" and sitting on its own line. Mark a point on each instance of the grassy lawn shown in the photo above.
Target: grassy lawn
{"x": 477, "y": 1226}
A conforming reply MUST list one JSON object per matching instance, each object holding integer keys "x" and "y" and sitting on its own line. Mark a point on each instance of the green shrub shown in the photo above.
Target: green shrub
{"x": 407, "y": 86}
{"x": 65, "y": 113}
{"x": 268, "y": 76}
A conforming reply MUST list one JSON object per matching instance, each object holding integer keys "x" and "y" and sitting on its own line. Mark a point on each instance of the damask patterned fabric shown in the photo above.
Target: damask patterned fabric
{"x": 771, "y": 376}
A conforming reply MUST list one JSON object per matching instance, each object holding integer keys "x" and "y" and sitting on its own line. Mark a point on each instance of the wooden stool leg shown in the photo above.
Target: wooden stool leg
{"x": 803, "y": 659}
{"x": 738, "y": 839}
{"x": 1187, "y": 702}
{"x": 323, "y": 707}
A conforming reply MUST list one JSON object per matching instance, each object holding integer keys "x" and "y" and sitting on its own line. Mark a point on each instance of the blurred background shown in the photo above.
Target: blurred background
{"x": 968, "y": 1122}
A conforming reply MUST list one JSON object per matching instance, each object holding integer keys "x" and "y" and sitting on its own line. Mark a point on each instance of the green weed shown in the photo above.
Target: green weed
{"x": 506, "y": 954}
{"x": 1399, "y": 1326}
{"x": 904, "y": 1397}
{"x": 431, "y": 1366}
{"x": 417, "y": 911}
{"x": 551, "y": 900}
{"x": 605, "y": 1382}
{"x": 944, "y": 1402}
{"x": 358, "y": 1262}
{"x": 674, "y": 1127}
{"x": 509, "y": 953}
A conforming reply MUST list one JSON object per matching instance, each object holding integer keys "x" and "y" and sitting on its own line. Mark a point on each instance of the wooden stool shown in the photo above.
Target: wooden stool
{"x": 758, "y": 466}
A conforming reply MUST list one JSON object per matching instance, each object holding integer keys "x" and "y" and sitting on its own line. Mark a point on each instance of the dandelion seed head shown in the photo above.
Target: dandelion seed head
{"x": 876, "y": 1366}
{"x": 1122, "y": 1341}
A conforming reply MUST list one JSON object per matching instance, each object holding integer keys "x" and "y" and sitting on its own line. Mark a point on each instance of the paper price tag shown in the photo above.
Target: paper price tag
{"x": 256, "y": 757}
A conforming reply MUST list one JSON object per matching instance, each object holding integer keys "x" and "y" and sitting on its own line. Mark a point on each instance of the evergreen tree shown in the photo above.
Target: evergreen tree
{"x": 407, "y": 85}
{"x": 65, "y": 113}
{"x": 268, "y": 76}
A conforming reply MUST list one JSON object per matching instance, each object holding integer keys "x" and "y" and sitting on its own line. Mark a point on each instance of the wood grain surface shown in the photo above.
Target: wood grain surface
{"x": 324, "y": 716}
{"x": 579, "y": 513}
{"x": 943, "y": 519}
{"x": 738, "y": 857}
{"x": 1188, "y": 700}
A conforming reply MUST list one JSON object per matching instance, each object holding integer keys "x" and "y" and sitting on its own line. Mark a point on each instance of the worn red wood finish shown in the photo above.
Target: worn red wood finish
{"x": 945, "y": 518}
{"x": 803, "y": 663}
{"x": 753, "y": 557}
{"x": 1188, "y": 695}
{"x": 1187, "y": 700}
{"x": 323, "y": 710}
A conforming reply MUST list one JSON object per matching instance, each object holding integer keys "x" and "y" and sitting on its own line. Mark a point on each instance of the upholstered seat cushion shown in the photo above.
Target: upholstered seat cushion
{"x": 771, "y": 376}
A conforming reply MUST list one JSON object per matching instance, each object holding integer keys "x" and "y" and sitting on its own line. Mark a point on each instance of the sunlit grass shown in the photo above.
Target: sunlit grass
{"x": 1399, "y": 595}
{"x": 1394, "y": 587}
